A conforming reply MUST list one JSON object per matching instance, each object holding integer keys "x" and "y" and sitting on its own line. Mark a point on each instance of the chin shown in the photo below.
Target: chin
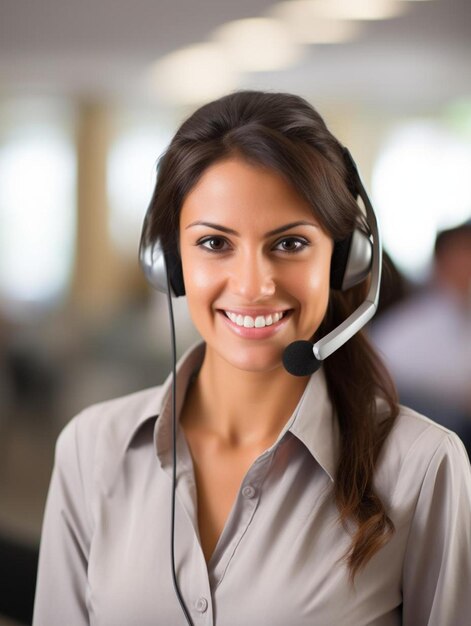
{"x": 255, "y": 359}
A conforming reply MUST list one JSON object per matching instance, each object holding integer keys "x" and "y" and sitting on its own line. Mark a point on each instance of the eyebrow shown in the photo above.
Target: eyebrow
{"x": 270, "y": 233}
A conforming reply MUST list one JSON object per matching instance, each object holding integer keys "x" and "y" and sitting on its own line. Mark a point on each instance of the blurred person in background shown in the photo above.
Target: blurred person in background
{"x": 426, "y": 339}
{"x": 298, "y": 499}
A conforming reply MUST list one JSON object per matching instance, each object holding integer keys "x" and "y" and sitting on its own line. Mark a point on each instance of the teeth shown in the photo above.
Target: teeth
{"x": 258, "y": 322}
{"x": 248, "y": 321}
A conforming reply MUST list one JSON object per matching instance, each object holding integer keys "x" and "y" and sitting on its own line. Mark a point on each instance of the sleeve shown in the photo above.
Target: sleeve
{"x": 65, "y": 541}
{"x": 437, "y": 567}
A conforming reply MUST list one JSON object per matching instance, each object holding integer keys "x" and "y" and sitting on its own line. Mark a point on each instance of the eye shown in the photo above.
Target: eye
{"x": 291, "y": 244}
{"x": 213, "y": 244}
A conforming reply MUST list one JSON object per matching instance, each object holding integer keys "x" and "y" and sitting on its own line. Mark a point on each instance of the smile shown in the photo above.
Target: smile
{"x": 260, "y": 321}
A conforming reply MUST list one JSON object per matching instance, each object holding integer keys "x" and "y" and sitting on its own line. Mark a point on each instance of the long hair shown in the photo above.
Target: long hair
{"x": 283, "y": 132}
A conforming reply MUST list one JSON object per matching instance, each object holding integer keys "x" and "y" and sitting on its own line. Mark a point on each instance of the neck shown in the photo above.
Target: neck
{"x": 242, "y": 407}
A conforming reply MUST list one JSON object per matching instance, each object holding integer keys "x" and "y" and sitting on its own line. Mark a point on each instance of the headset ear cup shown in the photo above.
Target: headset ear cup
{"x": 156, "y": 264}
{"x": 351, "y": 261}
{"x": 339, "y": 262}
{"x": 175, "y": 272}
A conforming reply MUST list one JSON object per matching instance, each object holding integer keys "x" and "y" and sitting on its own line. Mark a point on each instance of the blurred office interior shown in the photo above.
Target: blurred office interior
{"x": 90, "y": 95}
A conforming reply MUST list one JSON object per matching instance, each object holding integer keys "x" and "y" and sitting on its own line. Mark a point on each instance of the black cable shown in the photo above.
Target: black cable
{"x": 174, "y": 448}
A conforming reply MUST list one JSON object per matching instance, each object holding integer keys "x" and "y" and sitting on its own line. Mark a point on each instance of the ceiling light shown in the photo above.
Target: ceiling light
{"x": 358, "y": 9}
{"x": 305, "y": 25}
{"x": 258, "y": 44}
{"x": 193, "y": 75}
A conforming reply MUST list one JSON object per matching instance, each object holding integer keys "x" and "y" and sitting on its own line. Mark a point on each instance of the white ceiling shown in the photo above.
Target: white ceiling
{"x": 102, "y": 48}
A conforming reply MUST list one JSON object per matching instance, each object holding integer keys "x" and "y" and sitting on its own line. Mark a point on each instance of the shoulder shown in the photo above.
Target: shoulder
{"x": 122, "y": 415}
{"x": 413, "y": 431}
{"x": 117, "y": 418}
{"x": 415, "y": 448}
{"x": 96, "y": 439}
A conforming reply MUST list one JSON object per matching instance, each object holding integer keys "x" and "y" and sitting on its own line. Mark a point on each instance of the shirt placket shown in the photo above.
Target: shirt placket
{"x": 240, "y": 518}
{"x": 194, "y": 574}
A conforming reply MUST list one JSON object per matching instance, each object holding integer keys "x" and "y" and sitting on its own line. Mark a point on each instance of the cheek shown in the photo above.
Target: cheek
{"x": 312, "y": 290}
{"x": 201, "y": 286}
{"x": 198, "y": 279}
{"x": 318, "y": 280}
{"x": 312, "y": 284}
{"x": 200, "y": 282}
{"x": 197, "y": 275}
{"x": 317, "y": 301}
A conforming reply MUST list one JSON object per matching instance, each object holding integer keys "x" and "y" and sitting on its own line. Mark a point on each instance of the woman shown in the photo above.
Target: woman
{"x": 310, "y": 499}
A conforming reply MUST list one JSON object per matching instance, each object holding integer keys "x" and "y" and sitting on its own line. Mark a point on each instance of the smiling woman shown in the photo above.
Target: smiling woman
{"x": 286, "y": 499}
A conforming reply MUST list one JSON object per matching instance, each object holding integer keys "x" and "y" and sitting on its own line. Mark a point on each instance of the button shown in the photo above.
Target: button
{"x": 248, "y": 491}
{"x": 201, "y": 605}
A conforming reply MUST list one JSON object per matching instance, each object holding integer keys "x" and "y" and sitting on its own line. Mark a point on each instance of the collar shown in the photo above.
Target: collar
{"x": 313, "y": 422}
{"x": 159, "y": 401}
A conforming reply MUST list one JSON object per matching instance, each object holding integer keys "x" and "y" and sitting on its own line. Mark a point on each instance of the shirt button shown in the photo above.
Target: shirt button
{"x": 201, "y": 605}
{"x": 248, "y": 491}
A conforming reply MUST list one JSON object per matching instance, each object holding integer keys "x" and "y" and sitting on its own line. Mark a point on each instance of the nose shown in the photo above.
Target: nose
{"x": 252, "y": 277}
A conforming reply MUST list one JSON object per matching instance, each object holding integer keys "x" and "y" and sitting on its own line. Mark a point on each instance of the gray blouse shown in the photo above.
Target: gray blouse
{"x": 105, "y": 548}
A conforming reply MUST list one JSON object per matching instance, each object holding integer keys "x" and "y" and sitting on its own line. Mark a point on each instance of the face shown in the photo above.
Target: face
{"x": 256, "y": 264}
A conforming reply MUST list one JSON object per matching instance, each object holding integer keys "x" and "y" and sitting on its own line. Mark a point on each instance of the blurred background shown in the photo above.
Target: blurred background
{"x": 90, "y": 95}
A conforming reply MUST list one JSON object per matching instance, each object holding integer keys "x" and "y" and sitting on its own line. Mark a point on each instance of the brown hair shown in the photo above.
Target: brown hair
{"x": 283, "y": 132}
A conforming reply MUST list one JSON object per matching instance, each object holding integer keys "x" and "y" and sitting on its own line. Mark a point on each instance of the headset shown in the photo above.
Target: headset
{"x": 353, "y": 260}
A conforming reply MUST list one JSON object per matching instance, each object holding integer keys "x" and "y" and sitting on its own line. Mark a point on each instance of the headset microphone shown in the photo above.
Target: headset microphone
{"x": 301, "y": 358}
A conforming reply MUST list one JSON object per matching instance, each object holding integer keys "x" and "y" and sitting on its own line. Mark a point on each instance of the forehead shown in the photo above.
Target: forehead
{"x": 242, "y": 193}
